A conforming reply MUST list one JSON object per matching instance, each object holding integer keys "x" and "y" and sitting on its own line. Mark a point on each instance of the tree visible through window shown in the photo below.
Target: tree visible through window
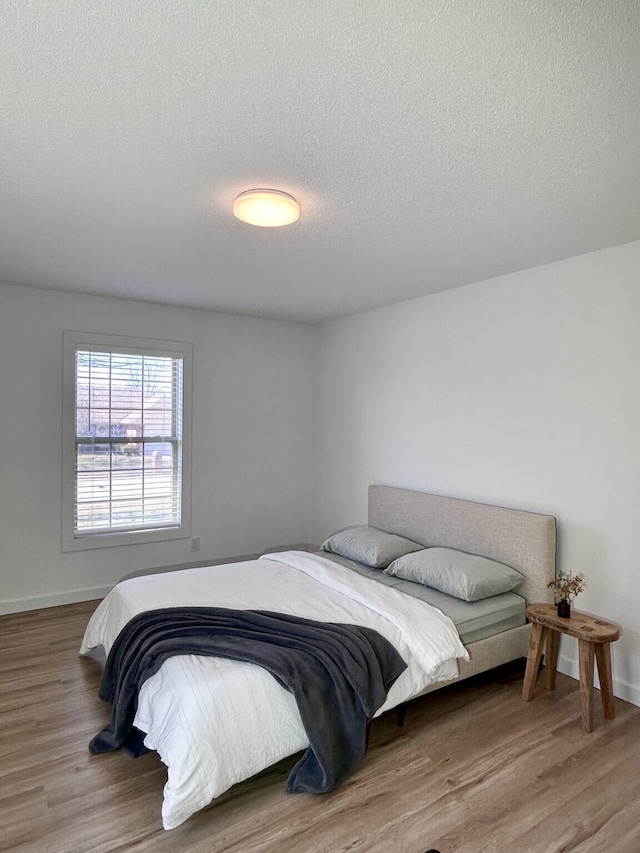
{"x": 128, "y": 440}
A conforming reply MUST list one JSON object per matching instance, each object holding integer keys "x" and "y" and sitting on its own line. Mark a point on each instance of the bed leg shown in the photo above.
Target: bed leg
{"x": 401, "y": 712}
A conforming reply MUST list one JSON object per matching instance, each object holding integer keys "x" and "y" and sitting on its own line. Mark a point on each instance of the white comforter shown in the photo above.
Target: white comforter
{"x": 215, "y": 722}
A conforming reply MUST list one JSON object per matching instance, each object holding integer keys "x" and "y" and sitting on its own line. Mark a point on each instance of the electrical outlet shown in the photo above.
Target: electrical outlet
{"x": 195, "y": 543}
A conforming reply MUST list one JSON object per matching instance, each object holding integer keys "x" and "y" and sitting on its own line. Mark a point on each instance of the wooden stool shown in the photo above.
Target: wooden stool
{"x": 594, "y": 637}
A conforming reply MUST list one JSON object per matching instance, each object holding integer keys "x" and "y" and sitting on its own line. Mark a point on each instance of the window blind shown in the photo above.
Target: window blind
{"x": 128, "y": 440}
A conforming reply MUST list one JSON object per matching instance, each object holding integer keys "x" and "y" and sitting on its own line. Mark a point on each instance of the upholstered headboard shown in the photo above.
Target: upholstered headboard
{"x": 524, "y": 540}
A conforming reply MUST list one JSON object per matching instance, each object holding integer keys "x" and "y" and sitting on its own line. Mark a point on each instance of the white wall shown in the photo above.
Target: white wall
{"x": 251, "y": 439}
{"x": 522, "y": 391}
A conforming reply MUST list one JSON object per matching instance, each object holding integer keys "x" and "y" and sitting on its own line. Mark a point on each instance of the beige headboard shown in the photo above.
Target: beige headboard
{"x": 524, "y": 540}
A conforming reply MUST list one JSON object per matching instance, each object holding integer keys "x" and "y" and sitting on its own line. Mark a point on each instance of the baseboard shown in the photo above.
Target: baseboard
{"x": 621, "y": 689}
{"x": 55, "y": 599}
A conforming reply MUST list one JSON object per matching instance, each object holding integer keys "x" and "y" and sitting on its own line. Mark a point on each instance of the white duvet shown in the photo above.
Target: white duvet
{"x": 215, "y": 722}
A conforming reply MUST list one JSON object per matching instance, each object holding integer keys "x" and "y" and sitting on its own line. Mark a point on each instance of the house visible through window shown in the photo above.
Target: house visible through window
{"x": 126, "y": 441}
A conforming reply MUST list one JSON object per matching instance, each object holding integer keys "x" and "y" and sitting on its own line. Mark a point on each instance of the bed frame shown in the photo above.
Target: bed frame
{"x": 524, "y": 540}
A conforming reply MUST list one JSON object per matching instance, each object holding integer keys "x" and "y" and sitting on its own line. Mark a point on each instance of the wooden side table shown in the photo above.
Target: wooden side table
{"x": 594, "y": 638}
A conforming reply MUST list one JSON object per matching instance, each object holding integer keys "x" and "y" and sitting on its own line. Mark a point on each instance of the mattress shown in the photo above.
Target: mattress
{"x": 215, "y": 722}
{"x": 475, "y": 620}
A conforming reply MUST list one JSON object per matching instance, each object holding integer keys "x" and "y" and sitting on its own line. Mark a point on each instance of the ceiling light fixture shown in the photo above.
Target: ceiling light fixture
{"x": 267, "y": 208}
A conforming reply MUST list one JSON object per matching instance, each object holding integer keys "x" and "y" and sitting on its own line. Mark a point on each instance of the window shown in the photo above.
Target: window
{"x": 126, "y": 440}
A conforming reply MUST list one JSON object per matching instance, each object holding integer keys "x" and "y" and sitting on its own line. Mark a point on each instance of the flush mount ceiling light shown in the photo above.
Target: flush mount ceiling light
{"x": 268, "y": 208}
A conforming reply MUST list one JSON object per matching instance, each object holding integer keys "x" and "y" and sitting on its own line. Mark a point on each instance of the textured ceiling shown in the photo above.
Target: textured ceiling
{"x": 430, "y": 144}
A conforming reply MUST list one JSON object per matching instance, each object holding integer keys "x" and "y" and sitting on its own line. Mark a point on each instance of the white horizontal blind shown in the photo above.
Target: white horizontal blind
{"x": 128, "y": 440}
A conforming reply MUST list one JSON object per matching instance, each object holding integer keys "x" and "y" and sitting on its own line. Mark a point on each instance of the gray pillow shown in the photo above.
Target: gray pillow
{"x": 369, "y": 545}
{"x": 465, "y": 576}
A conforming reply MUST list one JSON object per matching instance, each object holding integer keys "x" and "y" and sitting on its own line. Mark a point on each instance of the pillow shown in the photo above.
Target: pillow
{"x": 465, "y": 576}
{"x": 369, "y": 545}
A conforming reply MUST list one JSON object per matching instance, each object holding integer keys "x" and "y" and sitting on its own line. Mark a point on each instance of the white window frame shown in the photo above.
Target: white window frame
{"x": 71, "y": 540}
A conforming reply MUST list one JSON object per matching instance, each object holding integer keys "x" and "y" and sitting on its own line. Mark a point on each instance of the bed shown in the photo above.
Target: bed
{"x": 215, "y": 722}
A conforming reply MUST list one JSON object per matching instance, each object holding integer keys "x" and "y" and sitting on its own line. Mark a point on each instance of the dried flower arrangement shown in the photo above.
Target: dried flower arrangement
{"x": 566, "y": 587}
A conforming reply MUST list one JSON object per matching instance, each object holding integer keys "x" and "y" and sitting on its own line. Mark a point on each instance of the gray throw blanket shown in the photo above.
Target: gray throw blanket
{"x": 339, "y": 675}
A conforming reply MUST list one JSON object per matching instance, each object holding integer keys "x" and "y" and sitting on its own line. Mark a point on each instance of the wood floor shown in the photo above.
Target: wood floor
{"x": 475, "y": 770}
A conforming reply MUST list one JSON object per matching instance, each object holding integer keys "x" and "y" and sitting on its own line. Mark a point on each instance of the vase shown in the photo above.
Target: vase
{"x": 564, "y": 608}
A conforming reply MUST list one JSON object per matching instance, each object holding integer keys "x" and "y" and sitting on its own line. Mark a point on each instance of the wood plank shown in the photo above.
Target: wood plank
{"x": 603, "y": 657}
{"x": 582, "y": 626}
{"x": 552, "y": 649}
{"x": 536, "y": 644}
{"x": 585, "y": 662}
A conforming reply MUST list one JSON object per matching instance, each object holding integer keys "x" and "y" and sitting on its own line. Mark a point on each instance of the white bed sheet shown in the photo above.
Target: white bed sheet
{"x": 215, "y": 722}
